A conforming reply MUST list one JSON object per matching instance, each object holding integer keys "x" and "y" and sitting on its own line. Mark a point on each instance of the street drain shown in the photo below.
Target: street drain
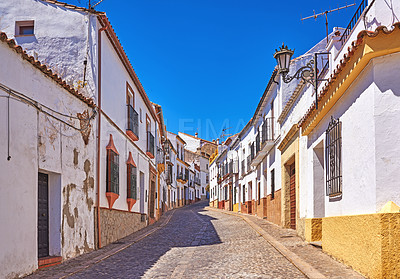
{"x": 286, "y": 236}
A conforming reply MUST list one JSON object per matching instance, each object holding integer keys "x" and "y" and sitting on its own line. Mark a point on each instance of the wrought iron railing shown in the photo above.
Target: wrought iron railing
{"x": 353, "y": 21}
{"x": 150, "y": 143}
{"x": 249, "y": 162}
{"x": 268, "y": 130}
{"x": 133, "y": 120}
{"x": 243, "y": 167}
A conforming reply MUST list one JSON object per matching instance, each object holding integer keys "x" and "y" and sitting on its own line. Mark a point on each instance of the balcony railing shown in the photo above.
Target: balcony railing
{"x": 248, "y": 163}
{"x": 353, "y": 21}
{"x": 150, "y": 143}
{"x": 133, "y": 121}
{"x": 265, "y": 142}
{"x": 160, "y": 158}
{"x": 197, "y": 180}
{"x": 181, "y": 176}
{"x": 243, "y": 167}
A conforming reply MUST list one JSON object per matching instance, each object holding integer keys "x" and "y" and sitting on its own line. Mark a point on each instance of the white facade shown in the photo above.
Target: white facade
{"x": 39, "y": 143}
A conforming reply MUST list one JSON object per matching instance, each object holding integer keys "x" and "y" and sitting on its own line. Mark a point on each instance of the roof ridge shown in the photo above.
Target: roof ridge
{"x": 45, "y": 69}
{"x": 72, "y": 7}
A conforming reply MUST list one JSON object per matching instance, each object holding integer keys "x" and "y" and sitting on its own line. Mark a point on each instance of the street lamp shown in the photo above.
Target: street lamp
{"x": 307, "y": 73}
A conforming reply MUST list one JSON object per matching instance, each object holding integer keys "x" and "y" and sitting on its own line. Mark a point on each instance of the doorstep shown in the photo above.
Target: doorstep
{"x": 49, "y": 261}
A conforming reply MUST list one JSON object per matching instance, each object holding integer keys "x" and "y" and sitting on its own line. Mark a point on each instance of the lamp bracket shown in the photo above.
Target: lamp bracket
{"x": 306, "y": 73}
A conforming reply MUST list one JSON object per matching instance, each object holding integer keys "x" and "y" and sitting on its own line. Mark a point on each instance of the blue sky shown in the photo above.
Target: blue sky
{"x": 206, "y": 62}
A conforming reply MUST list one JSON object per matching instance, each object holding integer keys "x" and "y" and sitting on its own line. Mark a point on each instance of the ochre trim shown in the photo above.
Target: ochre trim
{"x": 111, "y": 145}
{"x": 289, "y": 135}
{"x": 369, "y": 45}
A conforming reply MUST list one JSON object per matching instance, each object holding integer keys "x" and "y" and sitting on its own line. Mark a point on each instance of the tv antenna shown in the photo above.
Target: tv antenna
{"x": 315, "y": 16}
{"x": 92, "y": 6}
{"x": 223, "y": 135}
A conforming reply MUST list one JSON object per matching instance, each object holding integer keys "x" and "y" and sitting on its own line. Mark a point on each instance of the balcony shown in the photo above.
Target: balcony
{"x": 265, "y": 142}
{"x": 243, "y": 167}
{"x": 150, "y": 145}
{"x": 197, "y": 180}
{"x": 248, "y": 163}
{"x": 160, "y": 158}
{"x": 180, "y": 177}
{"x": 133, "y": 124}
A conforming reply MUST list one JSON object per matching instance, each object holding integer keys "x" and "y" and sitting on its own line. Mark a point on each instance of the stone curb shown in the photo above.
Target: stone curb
{"x": 121, "y": 248}
{"x": 302, "y": 266}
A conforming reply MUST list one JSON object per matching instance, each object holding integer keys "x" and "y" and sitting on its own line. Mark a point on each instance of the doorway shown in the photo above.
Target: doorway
{"x": 43, "y": 215}
{"x": 292, "y": 179}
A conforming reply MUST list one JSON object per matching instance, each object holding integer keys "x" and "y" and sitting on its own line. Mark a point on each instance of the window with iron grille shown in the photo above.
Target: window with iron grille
{"x": 112, "y": 172}
{"x": 272, "y": 184}
{"x": 333, "y": 152}
{"x": 132, "y": 180}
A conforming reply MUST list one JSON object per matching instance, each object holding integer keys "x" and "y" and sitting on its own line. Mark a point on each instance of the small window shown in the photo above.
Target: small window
{"x": 24, "y": 28}
{"x": 131, "y": 178}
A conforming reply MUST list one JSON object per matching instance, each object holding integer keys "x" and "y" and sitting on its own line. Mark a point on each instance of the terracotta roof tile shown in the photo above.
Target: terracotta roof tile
{"x": 45, "y": 69}
{"x": 346, "y": 57}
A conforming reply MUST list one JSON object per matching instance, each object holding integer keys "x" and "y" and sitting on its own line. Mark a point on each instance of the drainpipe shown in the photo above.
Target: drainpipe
{"x": 98, "y": 132}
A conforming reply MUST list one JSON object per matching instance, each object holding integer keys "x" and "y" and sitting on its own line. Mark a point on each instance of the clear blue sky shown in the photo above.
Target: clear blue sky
{"x": 208, "y": 62}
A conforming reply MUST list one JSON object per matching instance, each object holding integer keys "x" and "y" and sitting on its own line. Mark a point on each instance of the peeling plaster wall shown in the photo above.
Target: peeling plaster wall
{"x": 40, "y": 143}
{"x": 56, "y": 28}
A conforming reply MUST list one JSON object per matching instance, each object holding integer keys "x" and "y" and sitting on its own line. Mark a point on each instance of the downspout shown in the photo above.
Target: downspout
{"x": 98, "y": 131}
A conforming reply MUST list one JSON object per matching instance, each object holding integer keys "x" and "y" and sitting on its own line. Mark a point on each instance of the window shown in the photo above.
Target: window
{"x": 140, "y": 114}
{"x": 131, "y": 179}
{"x": 334, "y": 158}
{"x": 24, "y": 28}
{"x": 272, "y": 184}
{"x": 112, "y": 171}
{"x": 133, "y": 123}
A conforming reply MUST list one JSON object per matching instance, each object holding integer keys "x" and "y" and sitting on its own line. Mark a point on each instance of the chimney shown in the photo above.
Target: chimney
{"x": 196, "y": 134}
{"x": 217, "y": 141}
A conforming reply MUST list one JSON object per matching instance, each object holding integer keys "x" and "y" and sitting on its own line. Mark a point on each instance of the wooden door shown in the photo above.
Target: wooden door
{"x": 292, "y": 174}
{"x": 43, "y": 215}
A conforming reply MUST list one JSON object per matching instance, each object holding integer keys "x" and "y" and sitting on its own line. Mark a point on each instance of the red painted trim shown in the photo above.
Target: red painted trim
{"x": 111, "y": 145}
{"x": 130, "y": 160}
{"x": 130, "y": 202}
{"x": 111, "y": 197}
{"x": 131, "y": 135}
{"x": 150, "y": 155}
{"x": 49, "y": 261}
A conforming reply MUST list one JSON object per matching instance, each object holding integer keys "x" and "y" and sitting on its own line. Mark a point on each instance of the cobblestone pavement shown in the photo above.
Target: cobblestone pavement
{"x": 195, "y": 243}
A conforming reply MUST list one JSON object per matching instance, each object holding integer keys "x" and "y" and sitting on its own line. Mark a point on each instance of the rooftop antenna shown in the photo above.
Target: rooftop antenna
{"x": 223, "y": 135}
{"x": 315, "y": 16}
{"x": 94, "y": 5}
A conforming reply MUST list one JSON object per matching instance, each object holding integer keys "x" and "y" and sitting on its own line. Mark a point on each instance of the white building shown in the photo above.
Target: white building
{"x": 47, "y": 164}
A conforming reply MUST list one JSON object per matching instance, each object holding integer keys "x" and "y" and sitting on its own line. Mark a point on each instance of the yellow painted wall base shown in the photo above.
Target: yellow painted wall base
{"x": 313, "y": 229}
{"x": 368, "y": 243}
{"x": 236, "y": 207}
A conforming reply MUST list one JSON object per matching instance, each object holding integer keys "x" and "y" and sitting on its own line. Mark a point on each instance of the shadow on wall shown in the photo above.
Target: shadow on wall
{"x": 187, "y": 228}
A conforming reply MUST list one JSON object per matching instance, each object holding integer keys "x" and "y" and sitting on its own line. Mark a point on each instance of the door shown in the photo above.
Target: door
{"x": 292, "y": 174}
{"x": 152, "y": 198}
{"x": 250, "y": 204}
{"x": 43, "y": 215}
{"x": 141, "y": 192}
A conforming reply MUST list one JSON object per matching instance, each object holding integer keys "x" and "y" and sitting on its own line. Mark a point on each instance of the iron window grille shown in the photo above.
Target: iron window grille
{"x": 150, "y": 143}
{"x": 132, "y": 182}
{"x": 272, "y": 184}
{"x": 133, "y": 120}
{"x": 112, "y": 172}
{"x": 333, "y": 152}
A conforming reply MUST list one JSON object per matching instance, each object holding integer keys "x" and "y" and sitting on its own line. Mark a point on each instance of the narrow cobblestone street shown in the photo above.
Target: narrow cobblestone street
{"x": 194, "y": 243}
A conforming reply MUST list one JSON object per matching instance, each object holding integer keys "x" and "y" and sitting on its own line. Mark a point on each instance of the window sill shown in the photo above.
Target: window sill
{"x": 150, "y": 155}
{"x": 111, "y": 197}
{"x": 131, "y": 135}
{"x": 130, "y": 202}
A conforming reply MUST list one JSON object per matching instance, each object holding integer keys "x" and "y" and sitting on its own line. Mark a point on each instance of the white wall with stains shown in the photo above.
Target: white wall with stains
{"x": 39, "y": 143}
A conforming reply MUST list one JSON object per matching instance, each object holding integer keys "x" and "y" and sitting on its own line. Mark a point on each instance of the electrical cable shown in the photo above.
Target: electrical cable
{"x": 38, "y": 106}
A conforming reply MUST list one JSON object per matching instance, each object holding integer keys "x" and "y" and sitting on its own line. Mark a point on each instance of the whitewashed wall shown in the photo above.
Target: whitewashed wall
{"x": 40, "y": 143}
{"x": 56, "y": 28}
